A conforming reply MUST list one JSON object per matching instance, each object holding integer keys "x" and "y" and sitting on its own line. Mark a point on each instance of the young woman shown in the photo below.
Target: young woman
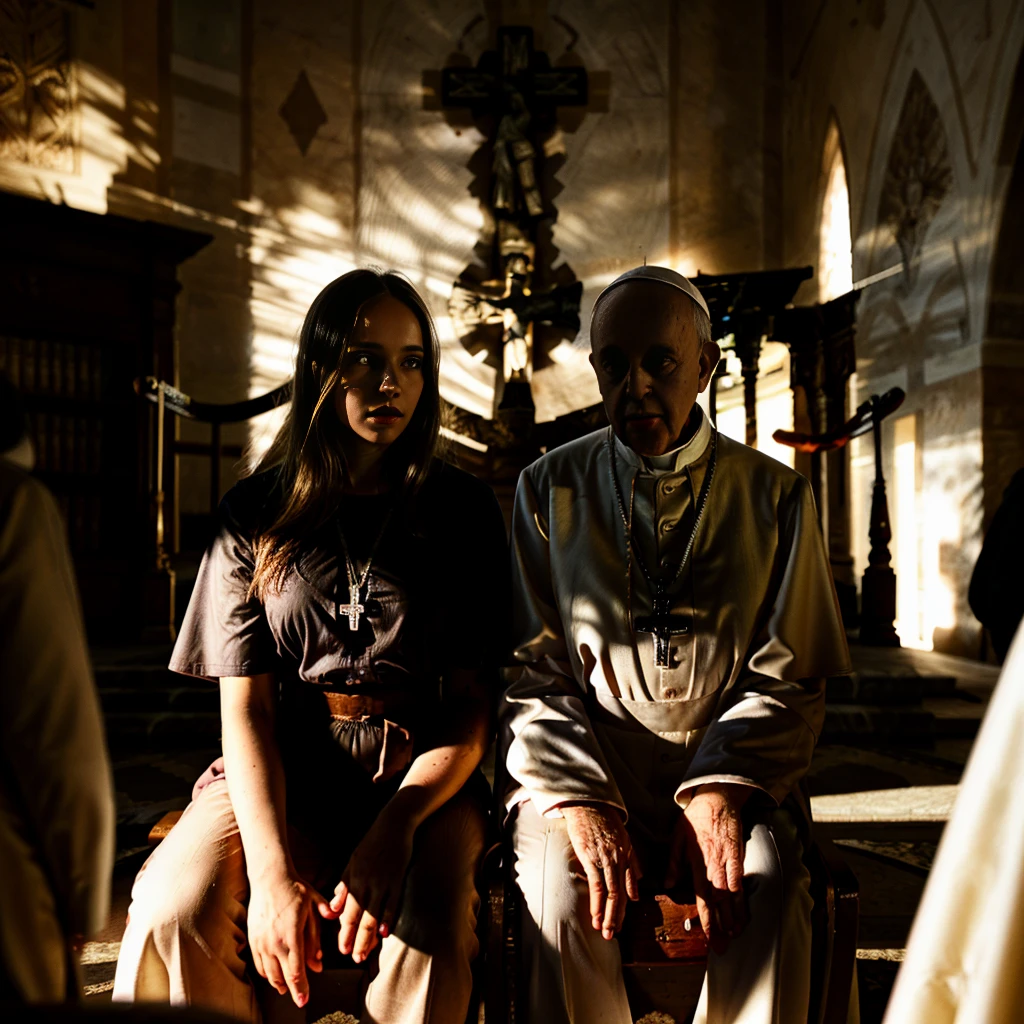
{"x": 353, "y": 608}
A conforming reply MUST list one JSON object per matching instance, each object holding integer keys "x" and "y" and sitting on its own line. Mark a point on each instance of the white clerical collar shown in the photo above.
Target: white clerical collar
{"x": 674, "y": 461}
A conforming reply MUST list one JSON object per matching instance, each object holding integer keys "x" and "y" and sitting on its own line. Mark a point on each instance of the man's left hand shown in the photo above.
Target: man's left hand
{"x": 709, "y": 836}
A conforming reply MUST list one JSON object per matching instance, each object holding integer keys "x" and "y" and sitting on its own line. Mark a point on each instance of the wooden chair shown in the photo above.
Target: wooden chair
{"x": 662, "y": 963}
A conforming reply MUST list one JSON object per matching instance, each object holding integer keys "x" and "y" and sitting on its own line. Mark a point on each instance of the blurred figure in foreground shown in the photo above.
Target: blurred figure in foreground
{"x": 56, "y": 801}
{"x": 964, "y": 954}
{"x": 996, "y": 594}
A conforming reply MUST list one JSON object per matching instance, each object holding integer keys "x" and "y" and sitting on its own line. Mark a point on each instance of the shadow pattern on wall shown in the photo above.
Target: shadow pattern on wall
{"x": 918, "y": 176}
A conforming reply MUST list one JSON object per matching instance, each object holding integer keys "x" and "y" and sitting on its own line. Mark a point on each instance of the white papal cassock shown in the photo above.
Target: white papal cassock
{"x": 592, "y": 717}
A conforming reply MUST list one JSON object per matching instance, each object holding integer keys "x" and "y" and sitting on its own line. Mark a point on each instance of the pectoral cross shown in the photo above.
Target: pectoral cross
{"x": 353, "y": 609}
{"x": 663, "y": 625}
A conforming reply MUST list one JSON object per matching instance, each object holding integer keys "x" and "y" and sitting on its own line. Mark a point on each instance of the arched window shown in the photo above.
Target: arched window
{"x": 835, "y": 241}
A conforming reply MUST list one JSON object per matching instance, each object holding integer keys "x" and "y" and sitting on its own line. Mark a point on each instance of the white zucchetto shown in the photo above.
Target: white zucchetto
{"x": 662, "y": 275}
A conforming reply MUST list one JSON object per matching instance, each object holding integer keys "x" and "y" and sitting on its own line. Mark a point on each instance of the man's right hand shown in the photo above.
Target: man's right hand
{"x": 284, "y": 933}
{"x": 601, "y": 844}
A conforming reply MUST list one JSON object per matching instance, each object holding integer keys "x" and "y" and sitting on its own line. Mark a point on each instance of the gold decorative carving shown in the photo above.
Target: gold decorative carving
{"x": 36, "y": 88}
{"x": 919, "y": 175}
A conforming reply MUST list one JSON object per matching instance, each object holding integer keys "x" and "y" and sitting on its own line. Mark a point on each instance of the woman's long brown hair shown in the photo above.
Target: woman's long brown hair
{"x": 308, "y": 447}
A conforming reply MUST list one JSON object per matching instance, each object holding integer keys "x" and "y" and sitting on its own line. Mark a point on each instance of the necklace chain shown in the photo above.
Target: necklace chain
{"x": 627, "y": 518}
{"x": 355, "y": 579}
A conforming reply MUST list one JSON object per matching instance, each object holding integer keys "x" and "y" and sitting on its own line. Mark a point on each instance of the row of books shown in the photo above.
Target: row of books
{"x": 67, "y": 444}
{"x": 82, "y": 515}
{"x": 38, "y": 367}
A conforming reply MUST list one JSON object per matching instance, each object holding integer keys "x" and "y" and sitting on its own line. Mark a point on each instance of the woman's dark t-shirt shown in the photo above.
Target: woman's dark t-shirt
{"x": 437, "y": 599}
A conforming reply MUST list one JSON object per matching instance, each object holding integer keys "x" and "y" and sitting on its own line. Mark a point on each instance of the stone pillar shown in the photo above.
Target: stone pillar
{"x": 801, "y": 330}
{"x": 839, "y": 319}
{"x": 822, "y": 358}
{"x": 749, "y": 334}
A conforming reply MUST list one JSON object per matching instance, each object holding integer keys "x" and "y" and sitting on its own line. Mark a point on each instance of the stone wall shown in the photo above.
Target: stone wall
{"x": 920, "y": 92}
{"x": 295, "y": 134}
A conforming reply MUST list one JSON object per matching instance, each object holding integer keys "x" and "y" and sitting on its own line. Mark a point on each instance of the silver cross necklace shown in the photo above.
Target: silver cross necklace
{"x": 661, "y": 623}
{"x": 356, "y": 581}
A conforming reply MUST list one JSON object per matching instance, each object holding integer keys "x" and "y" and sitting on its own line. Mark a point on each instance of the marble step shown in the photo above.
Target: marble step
{"x": 876, "y": 689}
{"x": 147, "y": 708}
{"x": 141, "y": 677}
{"x": 141, "y": 700}
{"x": 934, "y": 718}
{"x": 161, "y": 730}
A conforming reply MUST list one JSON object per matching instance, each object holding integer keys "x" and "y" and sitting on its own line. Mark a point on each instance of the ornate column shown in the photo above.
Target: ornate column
{"x": 822, "y": 358}
{"x": 839, "y": 319}
{"x": 749, "y": 334}
{"x": 878, "y": 588}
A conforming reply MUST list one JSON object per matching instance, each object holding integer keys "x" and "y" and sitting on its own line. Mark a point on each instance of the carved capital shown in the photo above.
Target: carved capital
{"x": 36, "y": 85}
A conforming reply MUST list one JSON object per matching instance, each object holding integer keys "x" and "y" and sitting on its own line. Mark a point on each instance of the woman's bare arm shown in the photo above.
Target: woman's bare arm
{"x": 465, "y": 722}
{"x": 367, "y": 897}
{"x": 283, "y": 930}
{"x": 254, "y": 772}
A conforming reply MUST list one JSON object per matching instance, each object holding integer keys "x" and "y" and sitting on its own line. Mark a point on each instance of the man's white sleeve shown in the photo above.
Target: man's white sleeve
{"x": 551, "y": 749}
{"x": 765, "y": 734}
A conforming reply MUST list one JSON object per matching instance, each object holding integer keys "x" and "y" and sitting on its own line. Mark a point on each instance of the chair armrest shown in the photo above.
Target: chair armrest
{"x": 843, "y": 909}
{"x": 162, "y": 829}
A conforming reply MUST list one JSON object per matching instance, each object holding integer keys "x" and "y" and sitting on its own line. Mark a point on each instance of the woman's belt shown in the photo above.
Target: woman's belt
{"x": 348, "y": 707}
{"x": 385, "y": 704}
{"x": 361, "y": 702}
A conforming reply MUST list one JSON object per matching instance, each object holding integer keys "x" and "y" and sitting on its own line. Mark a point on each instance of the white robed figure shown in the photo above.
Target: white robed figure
{"x": 675, "y": 621}
{"x": 963, "y": 957}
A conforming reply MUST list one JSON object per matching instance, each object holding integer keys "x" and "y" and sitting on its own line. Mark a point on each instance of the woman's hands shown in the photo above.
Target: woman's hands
{"x": 366, "y": 898}
{"x": 284, "y": 934}
{"x": 370, "y": 889}
{"x": 602, "y": 846}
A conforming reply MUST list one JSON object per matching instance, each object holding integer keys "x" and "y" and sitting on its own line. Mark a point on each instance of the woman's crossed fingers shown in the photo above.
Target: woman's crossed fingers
{"x": 366, "y": 917}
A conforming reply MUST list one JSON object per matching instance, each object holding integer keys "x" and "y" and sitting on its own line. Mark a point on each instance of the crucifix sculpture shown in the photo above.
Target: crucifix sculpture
{"x": 514, "y": 95}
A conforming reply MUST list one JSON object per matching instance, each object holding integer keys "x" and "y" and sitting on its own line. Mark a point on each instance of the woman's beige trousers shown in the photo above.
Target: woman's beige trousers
{"x": 186, "y": 937}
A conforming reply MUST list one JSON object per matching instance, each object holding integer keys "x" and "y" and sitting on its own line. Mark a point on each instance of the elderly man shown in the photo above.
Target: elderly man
{"x": 676, "y": 620}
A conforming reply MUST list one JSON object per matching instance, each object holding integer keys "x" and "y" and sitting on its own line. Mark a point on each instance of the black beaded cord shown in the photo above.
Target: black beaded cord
{"x": 702, "y": 500}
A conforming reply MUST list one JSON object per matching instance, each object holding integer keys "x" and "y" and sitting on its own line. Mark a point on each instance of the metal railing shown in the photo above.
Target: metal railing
{"x": 169, "y": 399}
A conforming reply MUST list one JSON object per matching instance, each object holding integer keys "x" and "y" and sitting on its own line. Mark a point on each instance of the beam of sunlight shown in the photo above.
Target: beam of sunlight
{"x": 774, "y": 401}
{"x": 932, "y": 561}
{"x": 835, "y": 244}
{"x": 910, "y": 599}
{"x": 469, "y": 442}
{"x": 906, "y": 803}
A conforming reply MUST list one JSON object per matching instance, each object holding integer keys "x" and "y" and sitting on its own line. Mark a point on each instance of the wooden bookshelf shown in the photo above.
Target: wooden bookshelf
{"x": 86, "y": 306}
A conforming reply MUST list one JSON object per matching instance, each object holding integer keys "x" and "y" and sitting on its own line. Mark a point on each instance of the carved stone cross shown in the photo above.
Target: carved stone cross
{"x": 514, "y": 94}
